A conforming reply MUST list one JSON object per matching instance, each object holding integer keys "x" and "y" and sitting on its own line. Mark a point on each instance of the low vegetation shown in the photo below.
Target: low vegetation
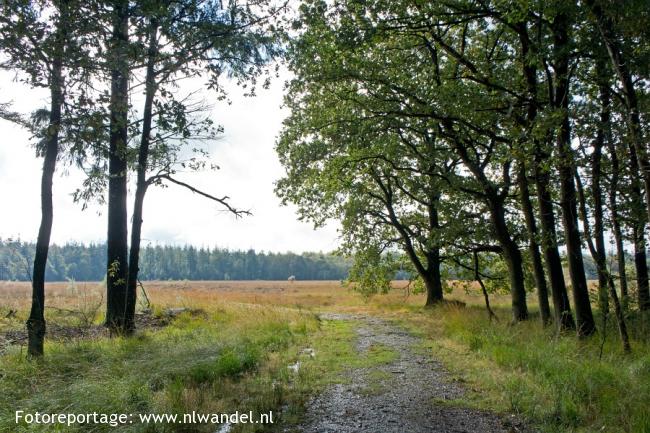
{"x": 230, "y": 358}
{"x": 559, "y": 384}
{"x": 215, "y": 357}
{"x": 233, "y": 347}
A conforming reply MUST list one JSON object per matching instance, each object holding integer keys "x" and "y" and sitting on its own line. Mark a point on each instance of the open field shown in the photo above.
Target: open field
{"x": 231, "y": 347}
{"x": 308, "y": 295}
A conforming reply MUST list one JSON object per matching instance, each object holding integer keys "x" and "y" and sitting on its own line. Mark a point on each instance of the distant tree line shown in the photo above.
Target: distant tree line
{"x": 87, "y": 263}
{"x": 82, "y": 262}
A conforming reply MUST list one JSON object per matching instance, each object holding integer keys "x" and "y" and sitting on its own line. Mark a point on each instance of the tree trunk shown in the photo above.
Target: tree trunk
{"x": 533, "y": 247}
{"x": 638, "y": 235}
{"x": 613, "y": 204}
{"x": 36, "y": 321}
{"x": 117, "y": 245}
{"x": 584, "y": 316}
{"x": 513, "y": 259}
{"x": 142, "y": 184}
{"x": 620, "y": 64}
{"x": 604, "y": 273}
{"x": 620, "y": 317}
{"x": 597, "y": 194}
{"x": 640, "y": 263}
{"x": 36, "y": 325}
{"x": 561, "y": 306}
{"x": 431, "y": 278}
{"x": 494, "y": 201}
{"x": 486, "y": 297}
{"x": 620, "y": 256}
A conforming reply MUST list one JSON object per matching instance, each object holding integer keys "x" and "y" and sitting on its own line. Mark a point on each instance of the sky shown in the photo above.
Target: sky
{"x": 244, "y": 152}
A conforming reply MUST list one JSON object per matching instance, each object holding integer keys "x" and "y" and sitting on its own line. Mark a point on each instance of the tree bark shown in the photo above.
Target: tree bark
{"x": 117, "y": 245}
{"x": 142, "y": 184}
{"x": 597, "y": 194}
{"x": 620, "y": 64}
{"x": 584, "y": 315}
{"x": 533, "y": 247}
{"x": 613, "y": 204}
{"x": 602, "y": 271}
{"x": 430, "y": 273}
{"x": 513, "y": 259}
{"x": 36, "y": 325}
{"x": 561, "y": 306}
{"x": 640, "y": 263}
{"x": 432, "y": 280}
{"x": 494, "y": 201}
{"x": 638, "y": 235}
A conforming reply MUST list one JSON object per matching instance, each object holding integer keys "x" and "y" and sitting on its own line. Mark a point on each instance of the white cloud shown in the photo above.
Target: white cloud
{"x": 248, "y": 164}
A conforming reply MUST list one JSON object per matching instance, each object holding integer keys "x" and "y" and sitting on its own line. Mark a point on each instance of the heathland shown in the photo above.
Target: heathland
{"x": 214, "y": 347}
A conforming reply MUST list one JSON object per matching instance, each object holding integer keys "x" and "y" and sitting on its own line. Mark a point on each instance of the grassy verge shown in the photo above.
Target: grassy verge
{"x": 558, "y": 383}
{"x": 233, "y": 358}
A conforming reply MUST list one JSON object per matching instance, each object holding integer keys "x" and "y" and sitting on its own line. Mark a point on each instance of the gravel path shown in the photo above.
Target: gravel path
{"x": 396, "y": 397}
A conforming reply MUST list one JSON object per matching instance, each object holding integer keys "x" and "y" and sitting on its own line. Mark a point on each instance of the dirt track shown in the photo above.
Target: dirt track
{"x": 407, "y": 399}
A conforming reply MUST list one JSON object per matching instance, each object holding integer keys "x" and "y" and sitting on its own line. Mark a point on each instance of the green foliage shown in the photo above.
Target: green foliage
{"x": 496, "y": 270}
{"x": 371, "y": 272}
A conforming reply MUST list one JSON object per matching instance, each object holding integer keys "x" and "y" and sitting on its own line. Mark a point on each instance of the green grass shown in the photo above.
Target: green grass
{"x": 234, "y": 358}
{"x": 226, "y": 361}
{"x": 558, "y": 383}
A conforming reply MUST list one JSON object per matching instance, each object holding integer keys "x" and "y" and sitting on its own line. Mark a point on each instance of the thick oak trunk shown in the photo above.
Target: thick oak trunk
{"x": 431, "y": 277}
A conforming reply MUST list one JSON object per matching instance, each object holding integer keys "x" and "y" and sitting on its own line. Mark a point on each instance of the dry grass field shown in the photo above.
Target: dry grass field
{"x": 231, "y": 347}
{"x": 69, "y": 300}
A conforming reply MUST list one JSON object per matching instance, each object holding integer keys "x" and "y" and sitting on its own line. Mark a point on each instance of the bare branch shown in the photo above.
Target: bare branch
{"x": 221, "y": 200}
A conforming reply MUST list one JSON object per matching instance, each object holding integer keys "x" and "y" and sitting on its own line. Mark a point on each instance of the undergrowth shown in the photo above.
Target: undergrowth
{"x": 232, "y": 359}
{"x": 557, "y": 382}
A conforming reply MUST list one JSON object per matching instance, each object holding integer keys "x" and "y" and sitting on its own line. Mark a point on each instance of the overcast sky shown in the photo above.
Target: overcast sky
{"x": 249, "y": 167}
